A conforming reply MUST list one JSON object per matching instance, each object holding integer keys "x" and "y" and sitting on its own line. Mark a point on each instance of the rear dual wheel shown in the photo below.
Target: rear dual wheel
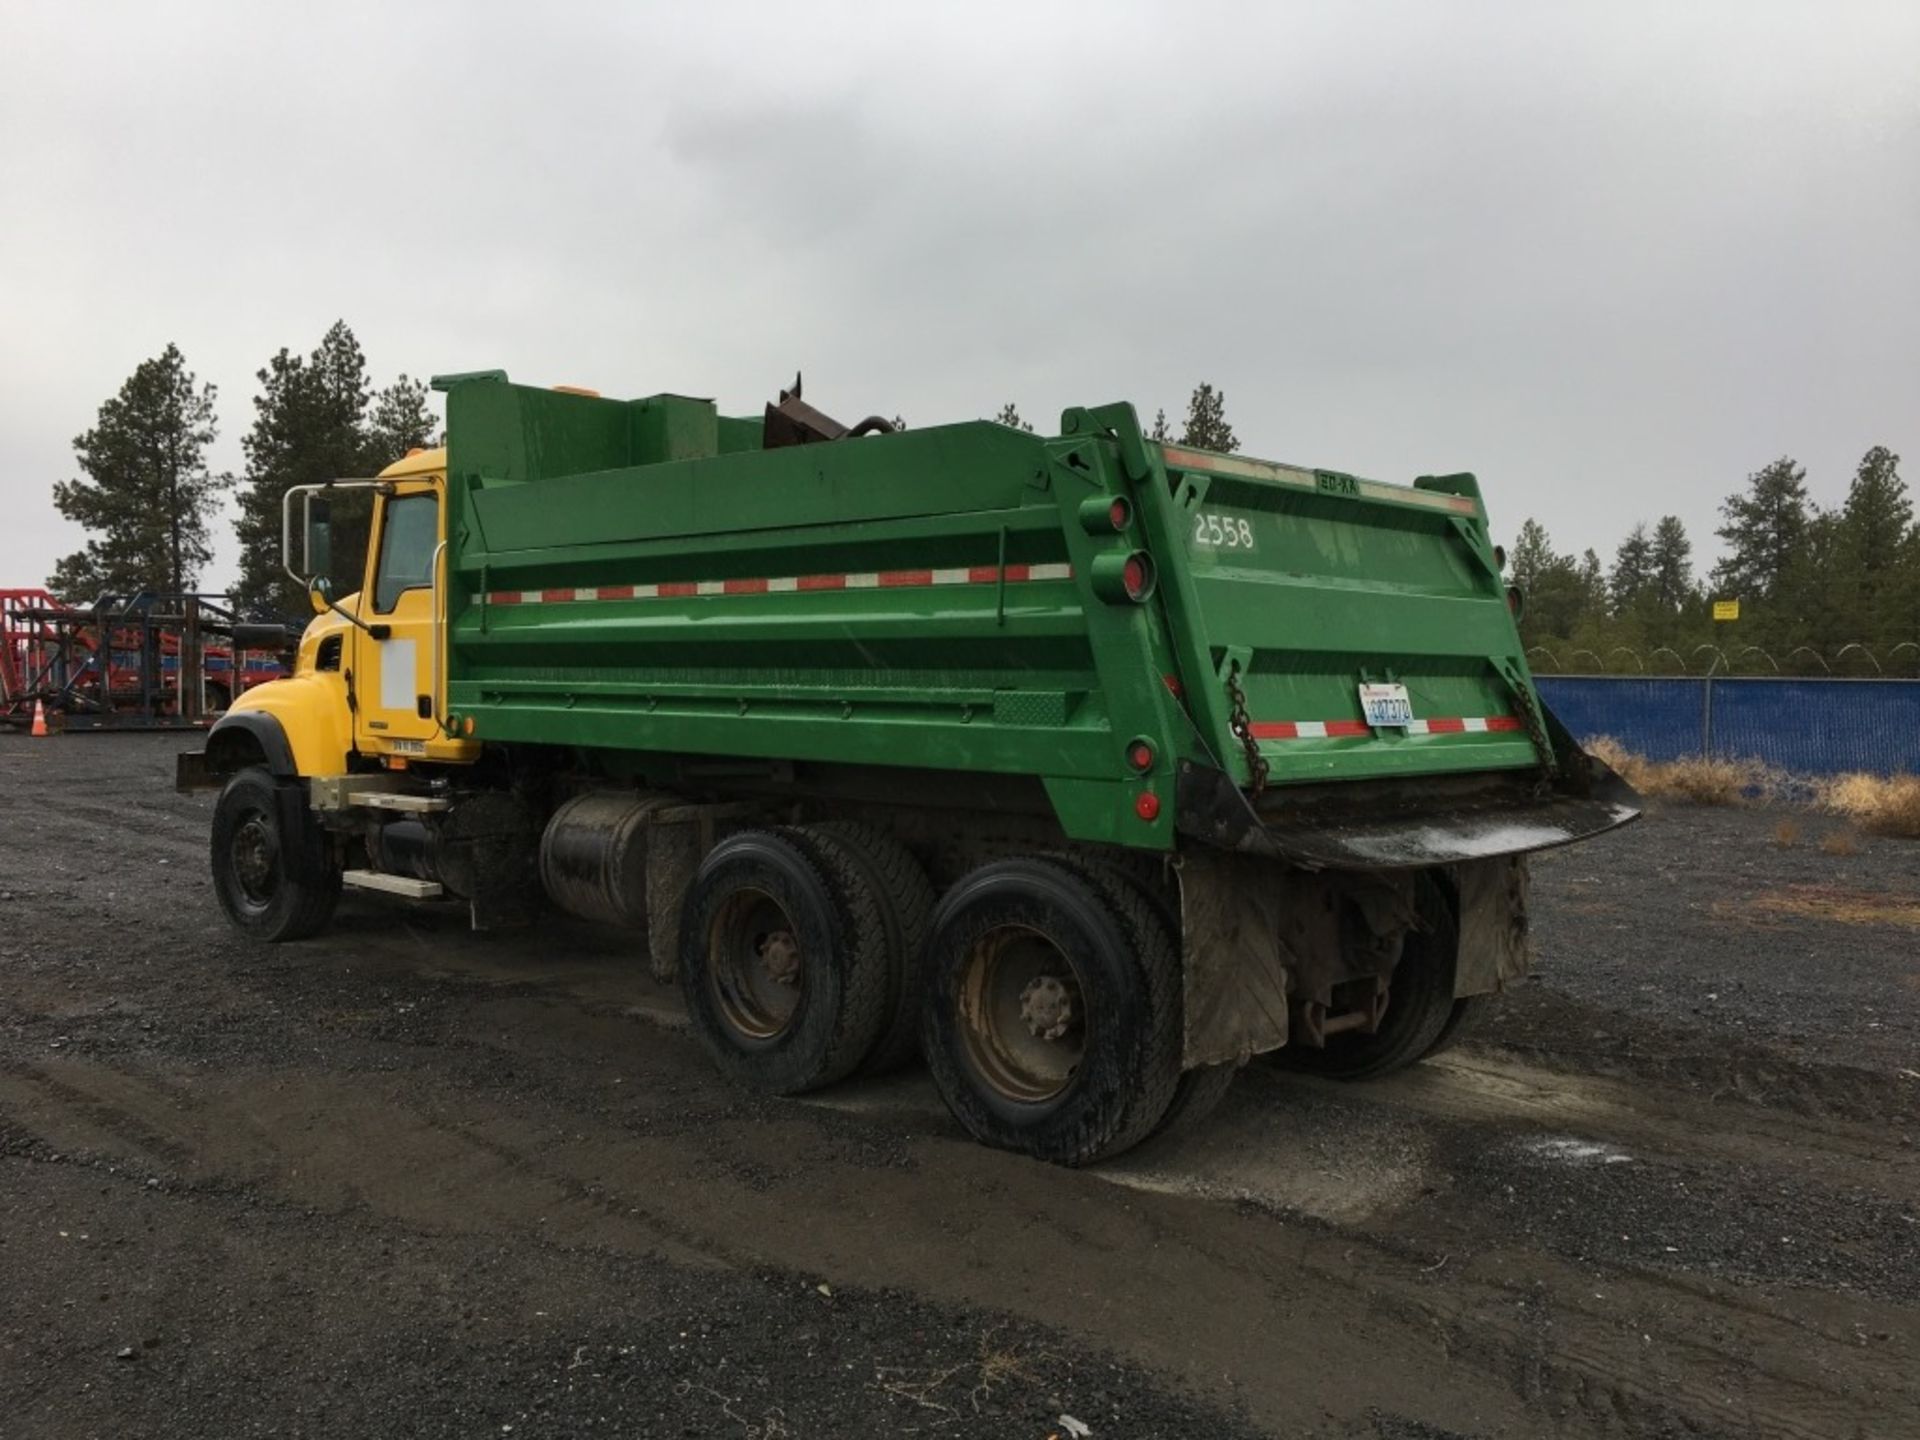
{"x": 903, "y": 899}
{"x": 1422, "y": 1017}
{"x": 1153, "y": 926}
{"x": 1048, "y": 1006}
{"x": 1052, "y": 1025}
{"x": 784, "y": 962}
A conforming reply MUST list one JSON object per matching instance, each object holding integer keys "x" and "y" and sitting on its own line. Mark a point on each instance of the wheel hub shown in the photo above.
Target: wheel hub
{"x": 255, "y": 854}
{"x": 1022, "y": 1014}
{"x": 757, "y": 967}
{"x": 780, "y": 953}
{"x": 1046, "y": 1007}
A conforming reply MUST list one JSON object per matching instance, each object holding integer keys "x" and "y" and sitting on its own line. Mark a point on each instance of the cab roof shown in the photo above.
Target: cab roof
{"x": 417, "y": 462}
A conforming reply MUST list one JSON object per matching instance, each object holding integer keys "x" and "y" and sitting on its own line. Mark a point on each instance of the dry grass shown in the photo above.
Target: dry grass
{"x": 995, "y": 1365}
{"x": 1694, "y": 779}
{"x": 1827, "y": 903}
{"x": 1878, "y": 804}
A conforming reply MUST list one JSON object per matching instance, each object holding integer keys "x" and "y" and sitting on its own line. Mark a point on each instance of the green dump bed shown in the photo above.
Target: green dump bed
{"x": 643, "y": 577}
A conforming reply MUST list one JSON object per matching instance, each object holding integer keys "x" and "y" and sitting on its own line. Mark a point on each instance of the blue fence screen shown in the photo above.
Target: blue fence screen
{"x": 1811, "y": 727}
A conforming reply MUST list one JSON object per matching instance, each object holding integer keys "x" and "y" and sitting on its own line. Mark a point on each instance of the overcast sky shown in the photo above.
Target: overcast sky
{"x": 1610, "y": 257}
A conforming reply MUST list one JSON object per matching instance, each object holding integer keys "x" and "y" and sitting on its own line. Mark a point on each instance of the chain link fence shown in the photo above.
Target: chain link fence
{"x": 1804, "y": 726}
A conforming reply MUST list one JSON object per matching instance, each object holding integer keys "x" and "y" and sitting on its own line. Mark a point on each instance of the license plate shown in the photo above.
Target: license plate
{"x": 1386, "y": 706}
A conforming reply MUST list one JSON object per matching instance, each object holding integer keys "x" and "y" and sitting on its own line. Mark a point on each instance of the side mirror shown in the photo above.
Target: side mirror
{"x": 320, "y": 594}
{"x": 318, "y": 543}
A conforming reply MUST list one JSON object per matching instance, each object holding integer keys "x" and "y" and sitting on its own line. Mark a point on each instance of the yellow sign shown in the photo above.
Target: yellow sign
{"x": 1726, "y": 609}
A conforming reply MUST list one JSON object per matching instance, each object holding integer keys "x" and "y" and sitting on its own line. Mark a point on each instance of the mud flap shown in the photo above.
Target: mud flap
{"x": 1233, "y": 975}
{"x": 1495, "y": 944}
{"x": 674, "y": 853}
{"x": 1257, "y": 936}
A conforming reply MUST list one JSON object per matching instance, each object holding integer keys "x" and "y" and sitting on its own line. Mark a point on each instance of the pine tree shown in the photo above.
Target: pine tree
{"x": 1901, "y": 608}
{"x": 1010, "y": 416}
{"x": 1872, "y": 537}
{"x": 317, "y": 418}
{"x": 399, "y": 421}
{"x": 1532, "y": 553}
{"x": 1632, "y": 569}
{"x": 1551, "y": 584}
{"x": 1593, "y": 586}
{"x": 1207, "y": 427}
{"x": 1670, "y": 558}
{"x": 1877, "y": 516}
{"x": 1161, "y": 431}
{"x": 147, "y": 489}
{"x": 1807, "y": 606}
{"x": 1765, "y": 528}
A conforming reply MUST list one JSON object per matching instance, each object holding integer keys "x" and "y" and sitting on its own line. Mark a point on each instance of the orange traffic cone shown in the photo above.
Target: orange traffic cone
{"x": 40, "y": 718}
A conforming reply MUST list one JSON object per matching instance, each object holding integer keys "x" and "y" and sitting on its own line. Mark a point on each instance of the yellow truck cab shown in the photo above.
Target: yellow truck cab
{"x": 367, "y": 684}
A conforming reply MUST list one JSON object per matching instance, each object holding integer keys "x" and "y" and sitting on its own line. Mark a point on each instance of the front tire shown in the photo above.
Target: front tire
{"x": 1049, "y": 1029}
{"x": 273, "y": 885}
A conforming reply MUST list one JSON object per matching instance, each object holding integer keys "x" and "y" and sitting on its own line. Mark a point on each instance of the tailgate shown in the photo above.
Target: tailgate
{"x": 1291, "y": 589}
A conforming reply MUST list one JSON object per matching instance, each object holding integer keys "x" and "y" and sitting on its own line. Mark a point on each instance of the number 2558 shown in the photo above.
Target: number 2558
{"x": 1222, "y": 532}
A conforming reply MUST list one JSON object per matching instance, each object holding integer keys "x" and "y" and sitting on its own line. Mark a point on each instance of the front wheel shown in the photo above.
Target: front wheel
{"x": 273, "y": 884}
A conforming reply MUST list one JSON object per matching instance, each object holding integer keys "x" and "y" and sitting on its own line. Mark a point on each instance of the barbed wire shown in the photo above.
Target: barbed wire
{"x": 1718, "y": 662}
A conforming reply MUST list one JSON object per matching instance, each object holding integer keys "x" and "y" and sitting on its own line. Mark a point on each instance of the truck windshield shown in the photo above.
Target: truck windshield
{"x": 407, "y": 540}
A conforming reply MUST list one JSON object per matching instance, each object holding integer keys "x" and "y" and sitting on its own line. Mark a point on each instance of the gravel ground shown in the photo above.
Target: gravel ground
{"x": 404, "y": 1180}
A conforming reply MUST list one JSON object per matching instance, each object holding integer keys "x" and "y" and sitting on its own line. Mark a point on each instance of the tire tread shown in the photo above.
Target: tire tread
{"x": 907, "y": 899}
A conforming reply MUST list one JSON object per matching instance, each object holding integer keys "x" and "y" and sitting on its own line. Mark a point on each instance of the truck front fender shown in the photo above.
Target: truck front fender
{"x": 298, "y": 728}
{"x": 243, "y": 737}
{"x": 236, "y": 741}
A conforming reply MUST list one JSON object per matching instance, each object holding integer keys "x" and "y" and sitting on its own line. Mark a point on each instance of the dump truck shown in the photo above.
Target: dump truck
{"x": 1084, "y": 766}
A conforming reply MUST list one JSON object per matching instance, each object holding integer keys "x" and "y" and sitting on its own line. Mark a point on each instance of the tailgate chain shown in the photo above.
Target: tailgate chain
{"x": 1242, "y": 725}
{"x": 1537, "y": 733}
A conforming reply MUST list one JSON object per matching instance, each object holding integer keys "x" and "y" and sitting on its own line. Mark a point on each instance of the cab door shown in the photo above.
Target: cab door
{"x": 395, "y": 681}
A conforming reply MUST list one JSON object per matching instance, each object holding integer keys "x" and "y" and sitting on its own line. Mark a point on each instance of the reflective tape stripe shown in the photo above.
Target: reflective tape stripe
{"x": 790, "y": 584}
{"x": 1351, "y": 729}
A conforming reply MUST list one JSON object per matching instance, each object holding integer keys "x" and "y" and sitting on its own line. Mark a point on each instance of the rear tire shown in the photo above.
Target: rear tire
{"x": 273, "y": 886}
{"x": 906, "y": 899}
{"x": 1202, "y": 1088}
{"x": 1420, "y": 1003}
{"x": 1049, "y": 1028}
{"x": 781, "y": 962}
{"x": 1469, "y": 1012}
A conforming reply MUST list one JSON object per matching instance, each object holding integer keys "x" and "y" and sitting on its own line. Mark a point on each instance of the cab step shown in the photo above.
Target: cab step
{"x": 392, "y": 884}
{"x": 399, "y": 800}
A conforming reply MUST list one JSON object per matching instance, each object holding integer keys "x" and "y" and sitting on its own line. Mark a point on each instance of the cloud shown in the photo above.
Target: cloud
{"x": 1610, "y": 257}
